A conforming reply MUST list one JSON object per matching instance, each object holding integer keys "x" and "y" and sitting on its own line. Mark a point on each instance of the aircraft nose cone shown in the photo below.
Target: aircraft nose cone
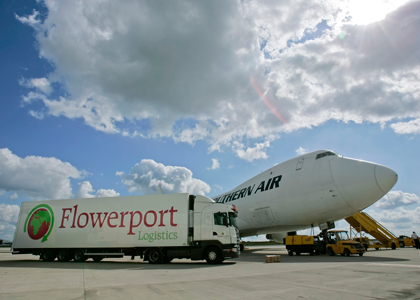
{"x": 385, "y": 177}
{"x": 361, "y": 183}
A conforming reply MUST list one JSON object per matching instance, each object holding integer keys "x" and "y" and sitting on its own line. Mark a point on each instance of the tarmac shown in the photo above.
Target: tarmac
{"x": 383, "y": 274}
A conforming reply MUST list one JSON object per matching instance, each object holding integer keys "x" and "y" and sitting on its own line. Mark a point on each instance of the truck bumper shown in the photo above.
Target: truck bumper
{"x": 231, "y": 252}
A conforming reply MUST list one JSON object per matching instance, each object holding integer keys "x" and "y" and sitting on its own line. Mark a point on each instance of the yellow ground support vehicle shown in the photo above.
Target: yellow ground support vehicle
{"x": 338, "y": 242}
{"x": 367, "y": 243}
{"x": 406, "y": 241}
{"x": 303, "y": 244}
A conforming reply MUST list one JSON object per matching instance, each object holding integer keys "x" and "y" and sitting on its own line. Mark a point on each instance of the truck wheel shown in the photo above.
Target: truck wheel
{"x": 402, "y": 245}
{"x": 155, "y": 256}
{"x": 393, "y": 246}
{"x": 330, "y": 251}
{"x": 297, "y": 253}
{"x": 360, "y": 254}
{"x": 48, "y": 255}
{"x": 97, "y": 258}
{"x": 79, "y": 256}
{"x": 376, "y": 248}
{"x": 290, "y": 253}
{"x": 213, "y": 256}
{"x": 63, "y": 255}
{"x": 242, "y": 247}
{"x": 347, "y": 252}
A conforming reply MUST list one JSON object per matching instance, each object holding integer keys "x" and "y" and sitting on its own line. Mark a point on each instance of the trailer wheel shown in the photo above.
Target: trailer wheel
{"x": 402, "y": 245}
{"x": 393, "y": 246}
{"x": 155, "y": 256}
{"x": 97, "y": 258}
{"x": 48, "y": 255}
{"x": 290, "y": 253}
{"x": 297, "y": 253}
{"x": 376, "y": 248}
{"x": 213, "y": 255}
{"x": 63, "y": 255}
{"x": 360, "y": 254}
{"x": 330, "y": 251}
{"x": 79, "y": 256}
{"x": 346, "y": 252}
{"x": 242, "y": 247}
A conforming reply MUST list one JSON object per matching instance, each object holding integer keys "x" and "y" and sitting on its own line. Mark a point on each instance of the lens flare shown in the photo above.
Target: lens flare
{"x": 269, "y": 105}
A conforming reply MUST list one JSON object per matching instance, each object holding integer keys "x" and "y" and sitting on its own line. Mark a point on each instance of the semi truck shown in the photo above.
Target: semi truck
{"x": 157, "y": 228}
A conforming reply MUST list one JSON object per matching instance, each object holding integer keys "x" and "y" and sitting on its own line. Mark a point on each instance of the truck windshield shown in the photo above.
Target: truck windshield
{"x": 342, "y": 236}
{"x": 232, "y": 219}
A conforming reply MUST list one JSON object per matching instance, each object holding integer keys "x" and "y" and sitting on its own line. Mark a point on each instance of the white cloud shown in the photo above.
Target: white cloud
{"x": 13, "y": 196}
{"x": 30, "y": 20}
{"x": 41, "y": 84}
{"x": 411, "y": 127}
{"x": 35, "y": 176}
{"x": 145, "y": 61}
{"x": 107, "y": 193}
{"x": 85, "y": 190}
{"x": 250, "y": 154}
{"x": 9, "y": 213}
{"x": 8, "y": 218}
{"x": 396, "y": 199}
{"x": 215, "y": 165}
{"x": 301, "y": 151}
{"x": 145, "y": 176}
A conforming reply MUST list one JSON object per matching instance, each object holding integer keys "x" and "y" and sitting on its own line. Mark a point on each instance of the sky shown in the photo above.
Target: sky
{"x": 105, "y": 98}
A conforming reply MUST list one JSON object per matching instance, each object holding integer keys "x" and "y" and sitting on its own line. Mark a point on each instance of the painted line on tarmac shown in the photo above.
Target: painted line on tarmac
{"x": 396, "y": 265}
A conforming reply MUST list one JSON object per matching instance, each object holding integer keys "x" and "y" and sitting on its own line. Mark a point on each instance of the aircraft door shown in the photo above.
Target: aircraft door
{"x": 300, "y": 163}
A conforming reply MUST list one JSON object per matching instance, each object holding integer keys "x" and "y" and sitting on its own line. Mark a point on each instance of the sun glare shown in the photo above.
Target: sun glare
{"x": 364, "y": 12}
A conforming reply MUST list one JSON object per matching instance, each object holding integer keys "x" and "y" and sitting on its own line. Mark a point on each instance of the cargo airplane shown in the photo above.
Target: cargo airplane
{"x": 314, "y": 189}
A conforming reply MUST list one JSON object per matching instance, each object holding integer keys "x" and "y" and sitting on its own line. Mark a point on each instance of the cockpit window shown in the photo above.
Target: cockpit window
{"x": 321, "y": 155}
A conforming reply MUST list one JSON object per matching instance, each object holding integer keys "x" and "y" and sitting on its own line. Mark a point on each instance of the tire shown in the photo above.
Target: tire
{"x": 49, "y": 255}
{"x": 63, "y": 256}
{"x": 213, "y": 255}
{"x": 330, "y": 251}
{"x": 347, "y": 252}
{"x": 297, "y": 253}
{"x": 154, "y": 256}
{"x": 376, "y": 248}
{"x": 402, "y": 245}
{"x": 312, "y": 253}
{"x": 97, "y": 258}
{"x": 79, "y": 256}
{"x": 393, "y": 246}
{"x": 360, "y": 254}
{"x": 290, "y": 253}
{"x": 242, "y": 247}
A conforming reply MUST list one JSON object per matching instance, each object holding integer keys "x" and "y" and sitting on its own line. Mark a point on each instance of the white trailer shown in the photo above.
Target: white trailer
{"x": 158, "y": 228}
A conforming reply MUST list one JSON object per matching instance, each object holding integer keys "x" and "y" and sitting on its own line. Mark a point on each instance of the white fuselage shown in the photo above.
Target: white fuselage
{"x": 307, "y": 191}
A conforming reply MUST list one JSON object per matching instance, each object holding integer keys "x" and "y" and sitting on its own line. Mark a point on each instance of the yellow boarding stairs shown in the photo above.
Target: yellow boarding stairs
{"x": 361, "y": 221}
